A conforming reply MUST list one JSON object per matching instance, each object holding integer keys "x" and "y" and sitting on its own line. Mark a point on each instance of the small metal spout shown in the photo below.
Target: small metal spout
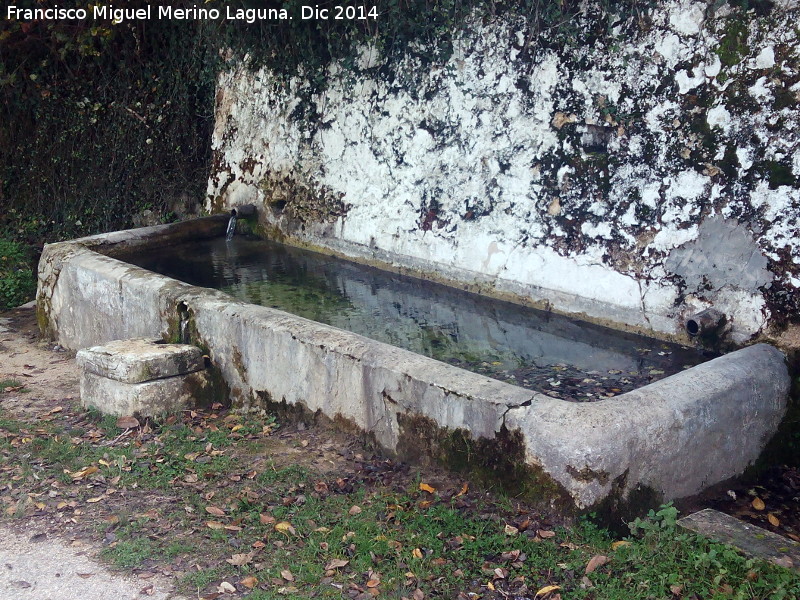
{"x": 245, "y": 210}
{"x": 706, "y": 323}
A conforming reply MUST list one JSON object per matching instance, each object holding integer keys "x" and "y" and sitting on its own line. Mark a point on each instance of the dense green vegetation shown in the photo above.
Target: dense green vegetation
{"x": 17, "y": 283}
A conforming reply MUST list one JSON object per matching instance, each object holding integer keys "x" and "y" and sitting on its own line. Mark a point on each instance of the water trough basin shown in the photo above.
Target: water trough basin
{"x": 668, "y": 439}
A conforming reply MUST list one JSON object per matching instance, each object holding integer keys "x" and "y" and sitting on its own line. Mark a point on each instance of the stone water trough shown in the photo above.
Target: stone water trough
{"x": 667, "y": 440}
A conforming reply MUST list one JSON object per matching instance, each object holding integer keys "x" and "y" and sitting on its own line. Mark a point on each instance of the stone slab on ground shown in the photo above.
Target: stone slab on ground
{"x": 138, "y": 360}
{"x": 33, "y": 567}
{"x": 752, "y": 540}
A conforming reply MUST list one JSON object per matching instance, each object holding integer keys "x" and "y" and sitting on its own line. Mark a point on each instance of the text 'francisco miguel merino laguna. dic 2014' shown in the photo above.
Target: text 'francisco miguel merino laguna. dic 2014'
{"x": 250, "y": 15}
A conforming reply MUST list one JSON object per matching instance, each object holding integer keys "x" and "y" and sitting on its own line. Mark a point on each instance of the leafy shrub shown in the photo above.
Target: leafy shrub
{"x": 17, "y": 284}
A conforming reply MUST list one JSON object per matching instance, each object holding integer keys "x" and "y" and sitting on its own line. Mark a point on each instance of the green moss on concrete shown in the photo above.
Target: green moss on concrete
{"x": 498, "y": 462}
{"x": 777, "y": 173}
{"x": 733, "y": 46}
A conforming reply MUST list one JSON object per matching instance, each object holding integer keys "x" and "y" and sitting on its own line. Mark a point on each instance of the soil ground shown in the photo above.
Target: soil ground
{"x": 49, "y": 393}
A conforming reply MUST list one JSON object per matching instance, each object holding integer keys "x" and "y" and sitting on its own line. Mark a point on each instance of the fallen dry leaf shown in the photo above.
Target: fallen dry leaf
{"x": 287, "y": 575}
{"x": 416, "y": 553}
{"x": 510, "y": 530}
{"x": 373, "y": 583}
{"x": 215, "y": 525}
{"x": 544, "y": 533}
{"x": 620, "y": 544}
{"x": 93, "y": 500}
{"x": 226, "y": 588}
{"x": 127, "y": 422}
{"x": 464, "y": 490}
{"x": 83, "y": 473}
{"x": 266, "y": 519}
{"x": 215, "y": 510}
{"x": 249, "y": 582}
{"x": 336, "y": 563}
{"x": 427, "y": 488}
{"x": 547, "y": 590}
{"x": 773, "y": 520}
{"x": 237, "y": 560}
{"x": 597, "y": 561}
{"x": 285, "y": 528}
{"x": 758, "y": 503}
{"x": 354, "y": 510}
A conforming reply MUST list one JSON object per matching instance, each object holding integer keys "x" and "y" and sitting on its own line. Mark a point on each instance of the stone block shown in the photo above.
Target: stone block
{"x": 750, "y": 539}
{"x": 138, "y": 360}
{"x": 141, "y": 376}
{"x": 148, "y": 398}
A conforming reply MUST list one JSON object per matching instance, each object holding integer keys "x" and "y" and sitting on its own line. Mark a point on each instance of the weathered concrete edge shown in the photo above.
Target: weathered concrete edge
{"x": 749, "y": 539}
{"x": 661, "y": 436}
{"x": 675, "y": 436}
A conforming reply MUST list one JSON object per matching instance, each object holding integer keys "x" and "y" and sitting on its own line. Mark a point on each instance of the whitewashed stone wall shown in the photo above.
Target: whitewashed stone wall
{"x": 636, "y": 180}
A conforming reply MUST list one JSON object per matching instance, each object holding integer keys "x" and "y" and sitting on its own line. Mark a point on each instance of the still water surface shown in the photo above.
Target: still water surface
{"x": 538, "y": 350}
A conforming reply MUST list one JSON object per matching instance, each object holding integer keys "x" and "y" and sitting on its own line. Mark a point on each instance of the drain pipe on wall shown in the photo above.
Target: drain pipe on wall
{"x": 707, "y": 323}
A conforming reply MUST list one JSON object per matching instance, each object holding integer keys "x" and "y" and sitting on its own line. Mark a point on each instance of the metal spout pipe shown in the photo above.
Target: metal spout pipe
{"x": 705, "y": 323}
{"x": 245, "y": 210}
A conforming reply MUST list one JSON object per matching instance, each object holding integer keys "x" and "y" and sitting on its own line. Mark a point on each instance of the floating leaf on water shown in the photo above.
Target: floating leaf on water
{"x": 773, "y": 520}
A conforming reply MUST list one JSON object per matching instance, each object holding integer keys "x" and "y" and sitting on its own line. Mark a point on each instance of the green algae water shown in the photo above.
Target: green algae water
{"x": 538, "y": 350}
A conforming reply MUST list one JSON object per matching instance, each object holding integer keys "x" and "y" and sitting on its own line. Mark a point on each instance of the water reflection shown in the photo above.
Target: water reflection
{"x": 535, "y": 349}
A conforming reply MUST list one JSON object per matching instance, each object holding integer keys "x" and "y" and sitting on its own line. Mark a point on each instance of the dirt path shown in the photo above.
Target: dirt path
{"x": 36, "y": 567}
{"x": 33, "y": 563}
{"x": 47, "y": 373}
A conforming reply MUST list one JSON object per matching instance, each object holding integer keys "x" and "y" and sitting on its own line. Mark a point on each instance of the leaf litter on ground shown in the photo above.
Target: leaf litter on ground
{"x": 360, "y": 526}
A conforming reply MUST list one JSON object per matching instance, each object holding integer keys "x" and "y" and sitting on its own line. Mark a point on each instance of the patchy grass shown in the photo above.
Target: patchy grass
{"x": 11, "y": 385}
{"x": 215, "y": 500}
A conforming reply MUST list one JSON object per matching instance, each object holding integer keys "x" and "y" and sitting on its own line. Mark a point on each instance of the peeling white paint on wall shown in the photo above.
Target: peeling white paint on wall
{"x": 570, "y": 175}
